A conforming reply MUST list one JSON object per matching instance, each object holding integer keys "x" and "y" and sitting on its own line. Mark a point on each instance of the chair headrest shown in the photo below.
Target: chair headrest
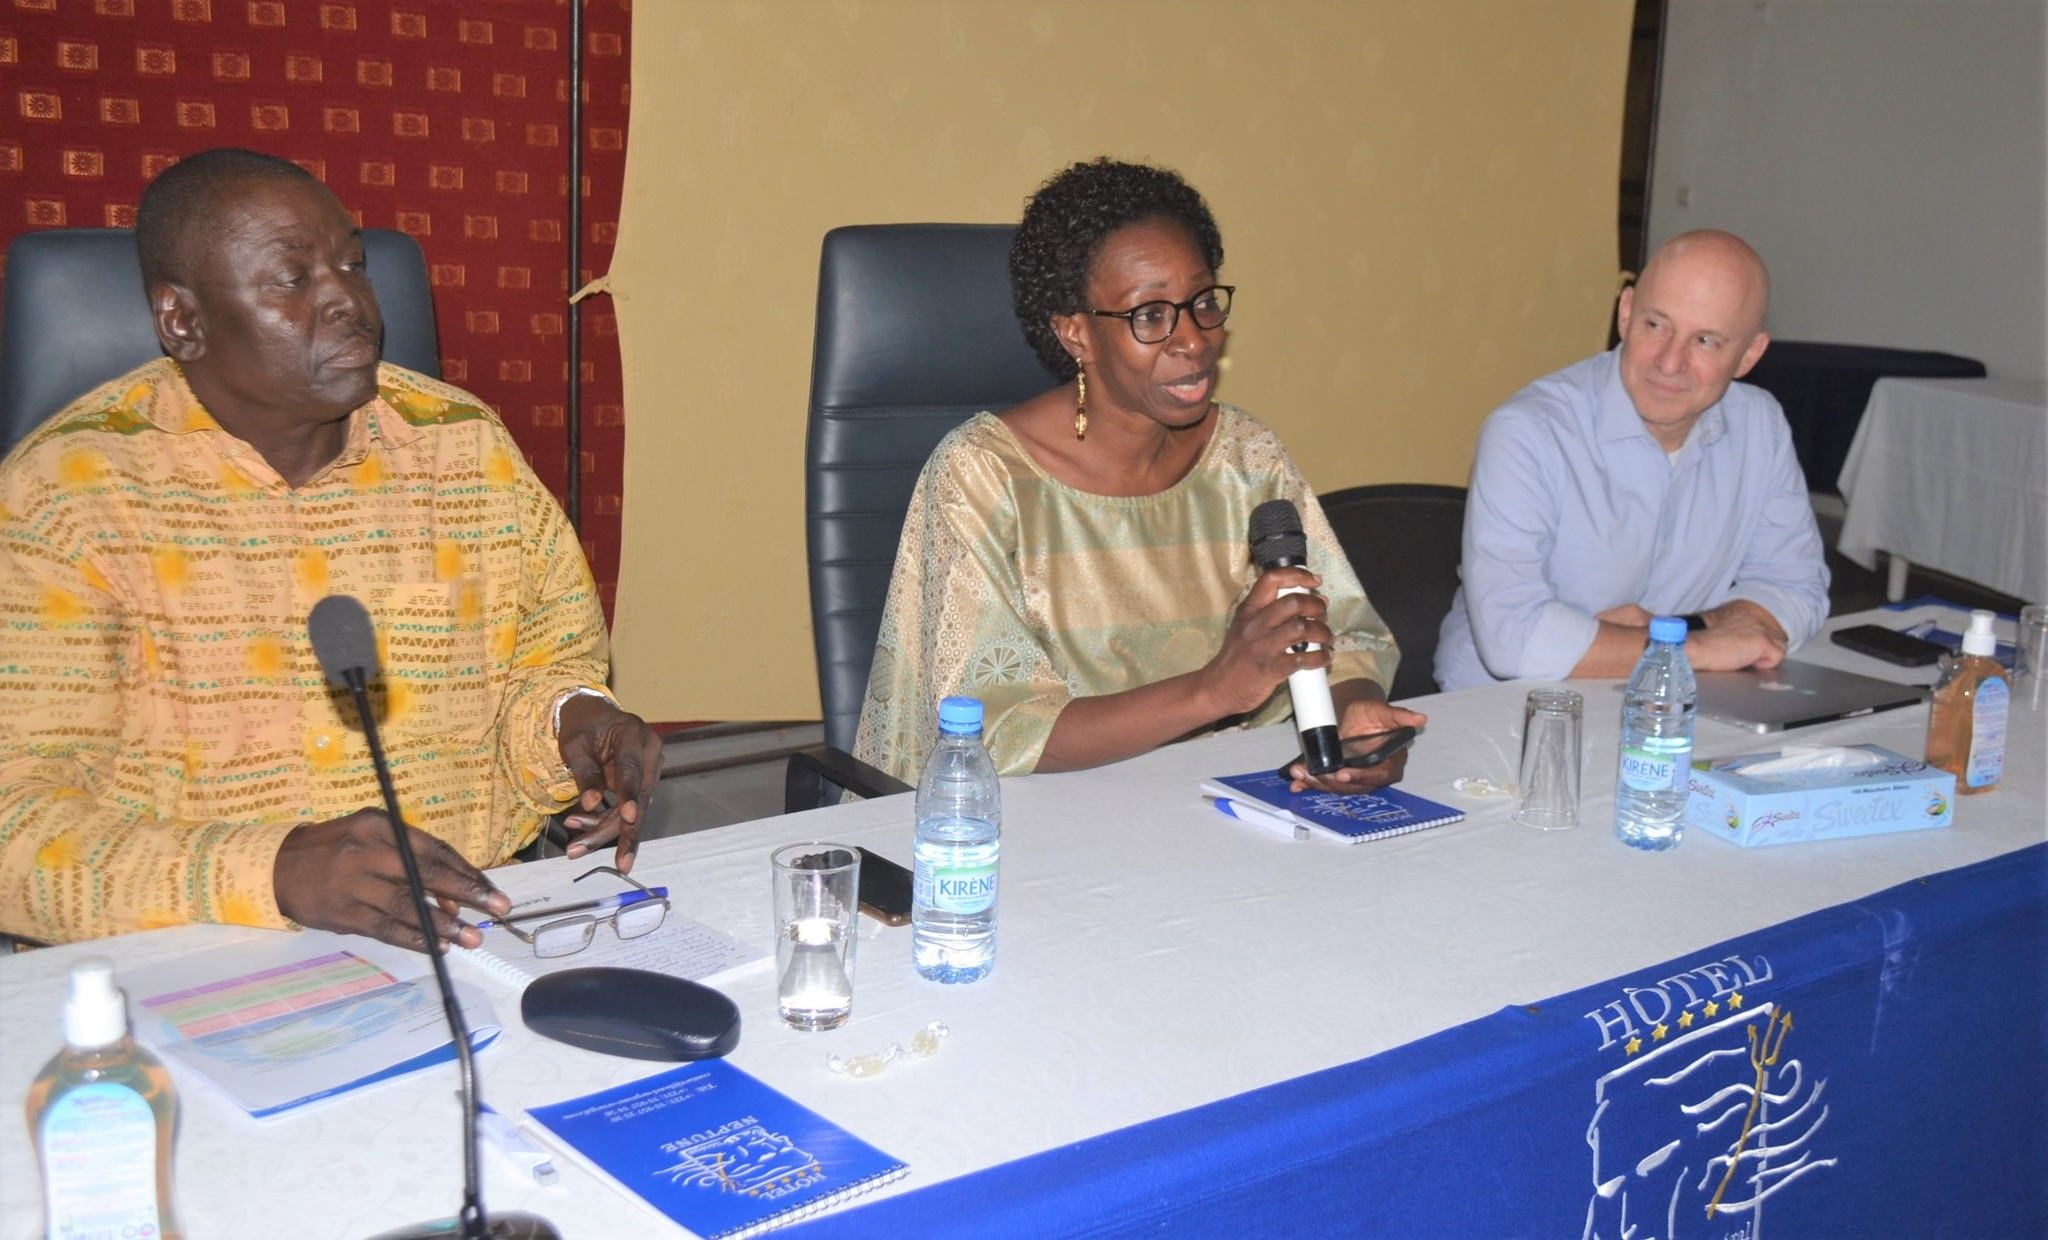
{"x": 919, "y": 315}
{"x": 76, "y": 316}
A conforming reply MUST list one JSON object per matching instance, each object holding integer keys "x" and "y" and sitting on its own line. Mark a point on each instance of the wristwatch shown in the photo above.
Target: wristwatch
{"x": 1694, "y": 621}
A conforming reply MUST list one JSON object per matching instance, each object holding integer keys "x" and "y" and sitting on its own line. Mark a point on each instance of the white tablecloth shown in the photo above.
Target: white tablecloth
{"x": 1953, "y": 474}
{"x": 1154, "y": 956}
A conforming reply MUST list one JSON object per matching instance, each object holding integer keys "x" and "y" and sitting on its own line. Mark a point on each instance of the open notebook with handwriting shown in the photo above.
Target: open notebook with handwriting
{"x": 680, "y": 947}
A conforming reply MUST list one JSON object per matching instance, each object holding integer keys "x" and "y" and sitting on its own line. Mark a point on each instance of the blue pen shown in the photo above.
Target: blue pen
{"x": 621, "y": 900}
{"x": 1263, "y": 819}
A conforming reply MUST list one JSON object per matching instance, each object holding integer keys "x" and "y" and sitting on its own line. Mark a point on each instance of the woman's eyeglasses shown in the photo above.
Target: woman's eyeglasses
{"x": 631, "y": 914}
{"x": 1154, "y": 321}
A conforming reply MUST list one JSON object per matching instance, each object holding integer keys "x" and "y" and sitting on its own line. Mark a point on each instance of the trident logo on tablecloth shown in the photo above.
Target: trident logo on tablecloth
{"x": 1763, "y": 1056}
{"x": 1698, "y": 1133}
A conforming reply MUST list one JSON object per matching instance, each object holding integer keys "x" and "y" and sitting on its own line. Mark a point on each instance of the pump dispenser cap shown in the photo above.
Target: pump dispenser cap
{"x": 1979, "y": 639}
{"x": 96, "y": 1012}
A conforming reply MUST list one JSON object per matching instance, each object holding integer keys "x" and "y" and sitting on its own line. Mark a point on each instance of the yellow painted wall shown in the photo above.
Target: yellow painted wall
{"x": 1417, "y": 198}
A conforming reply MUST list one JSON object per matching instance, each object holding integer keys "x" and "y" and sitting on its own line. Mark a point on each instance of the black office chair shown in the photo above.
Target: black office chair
{"x": 76, "y": 316}
{"x": 1404, "y": 540}
{"x": 915, "y": 334}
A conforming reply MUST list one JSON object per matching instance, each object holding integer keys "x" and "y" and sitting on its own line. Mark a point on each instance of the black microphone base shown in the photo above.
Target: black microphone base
{"x": 513, "y": 1226}
{"x": 1322, "y": 751}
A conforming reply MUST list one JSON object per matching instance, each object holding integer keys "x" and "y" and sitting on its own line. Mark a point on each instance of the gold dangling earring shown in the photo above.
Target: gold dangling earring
{"x": 1080, "y": 401}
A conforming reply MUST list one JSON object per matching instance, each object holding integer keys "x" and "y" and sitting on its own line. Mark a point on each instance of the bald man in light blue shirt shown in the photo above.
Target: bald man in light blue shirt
{"x": 1641, "y": 482}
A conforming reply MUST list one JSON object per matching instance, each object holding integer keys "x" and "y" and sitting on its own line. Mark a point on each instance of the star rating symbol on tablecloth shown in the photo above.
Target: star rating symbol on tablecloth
{"x": 1731, "y": 1002}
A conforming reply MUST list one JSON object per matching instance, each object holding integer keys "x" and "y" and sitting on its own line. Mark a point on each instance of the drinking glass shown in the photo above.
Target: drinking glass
{"x": 817, "y": 894}
{"x": 2030, "y": 659}
{"x": 1550, "y": 760}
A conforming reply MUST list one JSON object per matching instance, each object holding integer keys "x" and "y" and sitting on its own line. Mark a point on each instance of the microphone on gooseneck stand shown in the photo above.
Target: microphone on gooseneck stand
{"x": 1277, "y": 542}
{"x": 346, "y": 645}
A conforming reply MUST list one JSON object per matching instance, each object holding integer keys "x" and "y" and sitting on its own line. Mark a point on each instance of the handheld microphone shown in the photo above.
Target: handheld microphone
{"x": 346, "y": 645}
{"x": 1277, "y": 542}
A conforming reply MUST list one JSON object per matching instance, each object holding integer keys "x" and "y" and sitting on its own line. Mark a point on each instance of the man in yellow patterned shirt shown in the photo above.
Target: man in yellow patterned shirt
{"x": 169, "y": 750}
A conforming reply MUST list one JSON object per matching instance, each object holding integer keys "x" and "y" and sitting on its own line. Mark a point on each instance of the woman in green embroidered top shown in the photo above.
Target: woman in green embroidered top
{"x": 1079, "y": 562}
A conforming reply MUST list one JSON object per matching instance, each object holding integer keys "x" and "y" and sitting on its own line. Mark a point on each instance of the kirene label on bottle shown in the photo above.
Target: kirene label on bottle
{"x": 1987, "y": 733}
{"x": 962, "y": 889}
{"x": 1649, "y": 770}
{"x": 99, "y": 1164}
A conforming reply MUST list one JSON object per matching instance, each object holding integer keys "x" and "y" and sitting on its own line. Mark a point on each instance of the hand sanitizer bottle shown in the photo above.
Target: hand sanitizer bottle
{"x": 102, "y": 1115}
{"x": 1966, "y": 723}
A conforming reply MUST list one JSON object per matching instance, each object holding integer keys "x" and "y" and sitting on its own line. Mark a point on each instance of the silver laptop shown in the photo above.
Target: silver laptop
{"x": 1797, "y": 695}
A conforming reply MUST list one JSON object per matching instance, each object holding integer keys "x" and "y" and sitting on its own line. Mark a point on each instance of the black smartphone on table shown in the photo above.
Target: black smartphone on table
{"x": 1894, "y": 647}
{"x": 1369, "y": 749}
{"x": 884, "y": 889}
{"x": 1376, "y": 747}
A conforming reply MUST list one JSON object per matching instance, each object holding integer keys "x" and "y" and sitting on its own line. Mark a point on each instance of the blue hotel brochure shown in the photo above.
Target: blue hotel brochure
{"x": 1351, "y": 818}
{"x": 716, "y": 1150}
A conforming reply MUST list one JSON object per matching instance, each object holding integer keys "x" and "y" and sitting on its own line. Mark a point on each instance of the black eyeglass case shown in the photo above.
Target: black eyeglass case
{"x": 632, "y": 1013}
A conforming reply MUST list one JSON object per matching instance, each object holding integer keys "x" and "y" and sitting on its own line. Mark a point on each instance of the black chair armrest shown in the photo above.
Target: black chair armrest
{"x": 814, "y": 767}
{"x": 12, "y": 943}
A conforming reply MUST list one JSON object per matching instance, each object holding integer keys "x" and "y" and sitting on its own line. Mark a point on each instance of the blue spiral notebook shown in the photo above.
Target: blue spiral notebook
{"x": 716, "y": 1150}
{"x": 1262, "y": 797}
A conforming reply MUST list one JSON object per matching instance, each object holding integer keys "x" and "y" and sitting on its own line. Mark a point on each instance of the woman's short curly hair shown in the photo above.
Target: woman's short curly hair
{"x": 1064, "y": 226}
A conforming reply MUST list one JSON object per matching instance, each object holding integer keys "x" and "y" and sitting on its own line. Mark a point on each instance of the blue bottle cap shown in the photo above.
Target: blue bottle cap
{"x": 963, "y": 714}
{"x": 1668, "y": 629}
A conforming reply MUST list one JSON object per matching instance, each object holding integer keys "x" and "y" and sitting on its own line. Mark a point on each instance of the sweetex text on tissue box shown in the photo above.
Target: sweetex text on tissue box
{"x": 1796, "y": 794}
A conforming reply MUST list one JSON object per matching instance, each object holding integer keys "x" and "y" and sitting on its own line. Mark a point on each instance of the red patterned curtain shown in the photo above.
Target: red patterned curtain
{"x": 447, "y": 121}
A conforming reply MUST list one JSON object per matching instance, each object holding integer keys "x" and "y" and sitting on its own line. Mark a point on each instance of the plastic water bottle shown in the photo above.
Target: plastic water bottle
{"x": 1656, "y": 741}
{"x": 959, "y": 843}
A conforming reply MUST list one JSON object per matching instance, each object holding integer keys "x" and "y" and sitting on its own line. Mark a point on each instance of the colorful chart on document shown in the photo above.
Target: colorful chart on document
{"x": 291, "y": 1012}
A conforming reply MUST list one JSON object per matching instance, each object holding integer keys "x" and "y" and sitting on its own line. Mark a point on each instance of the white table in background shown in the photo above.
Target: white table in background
{"x": 1146, "y": 941}
{"x": 1952, "y": 474}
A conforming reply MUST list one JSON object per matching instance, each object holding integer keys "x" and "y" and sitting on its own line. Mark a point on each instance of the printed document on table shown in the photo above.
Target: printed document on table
{"x": 290, "y": 1018}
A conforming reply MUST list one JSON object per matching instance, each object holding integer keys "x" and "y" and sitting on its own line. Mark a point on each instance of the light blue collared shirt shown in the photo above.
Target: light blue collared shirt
{"x": 1574, "y": 508}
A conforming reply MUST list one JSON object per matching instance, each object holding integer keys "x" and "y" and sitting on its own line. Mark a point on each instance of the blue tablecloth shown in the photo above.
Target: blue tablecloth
{"x": 1879, "y": 1068}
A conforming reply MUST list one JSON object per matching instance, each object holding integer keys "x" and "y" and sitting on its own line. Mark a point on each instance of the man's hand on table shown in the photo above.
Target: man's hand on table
{"x": 608, "y": 750}
{"x": 1739, "y": 634}
{"x": 345, "y": 875}
{"x": 1741, "y": 612}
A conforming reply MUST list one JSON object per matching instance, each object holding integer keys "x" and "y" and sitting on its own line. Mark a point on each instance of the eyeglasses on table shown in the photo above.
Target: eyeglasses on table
{"x": 631, "y": 914}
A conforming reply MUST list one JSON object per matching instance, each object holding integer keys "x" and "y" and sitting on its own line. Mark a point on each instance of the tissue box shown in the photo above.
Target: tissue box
{"x": 1896, "y": 793}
